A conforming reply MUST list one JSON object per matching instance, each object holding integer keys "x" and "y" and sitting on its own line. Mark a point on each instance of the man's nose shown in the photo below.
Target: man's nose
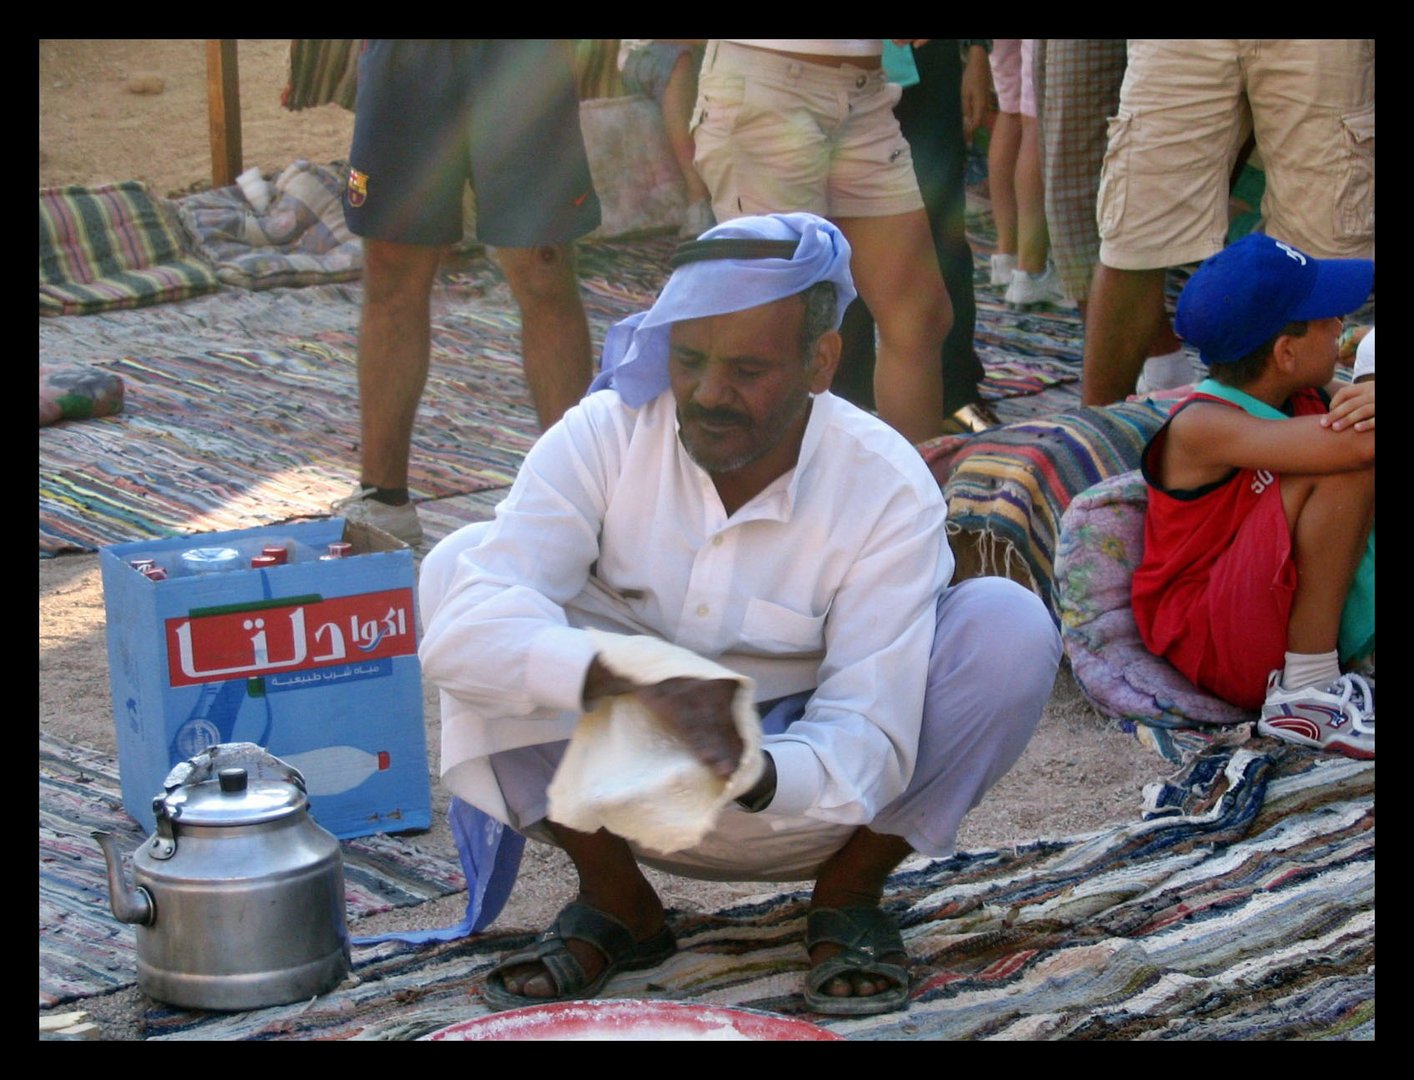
{"x": 714, "y": 387}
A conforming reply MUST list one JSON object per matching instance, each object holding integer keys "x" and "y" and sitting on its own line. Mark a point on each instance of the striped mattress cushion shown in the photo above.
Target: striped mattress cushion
{"x": 112, "y": 246}
{"x": 1012, "y": 484}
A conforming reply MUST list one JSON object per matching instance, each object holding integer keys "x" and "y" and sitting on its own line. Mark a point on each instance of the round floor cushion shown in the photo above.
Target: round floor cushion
{"x": 1100, "y": 544}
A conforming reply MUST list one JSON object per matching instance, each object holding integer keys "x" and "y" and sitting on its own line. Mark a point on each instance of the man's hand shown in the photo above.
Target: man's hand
{"x": 699, "y": 711}
{"x": 1353, "y": 405}
{"x": 976, "y": 89}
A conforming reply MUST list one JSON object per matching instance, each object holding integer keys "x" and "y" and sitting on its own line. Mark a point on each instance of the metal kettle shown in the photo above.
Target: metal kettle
{"x": 238, "y": 894}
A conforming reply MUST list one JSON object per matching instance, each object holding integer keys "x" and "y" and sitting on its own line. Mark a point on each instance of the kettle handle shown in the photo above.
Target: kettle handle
{"x": 258, "y": 763}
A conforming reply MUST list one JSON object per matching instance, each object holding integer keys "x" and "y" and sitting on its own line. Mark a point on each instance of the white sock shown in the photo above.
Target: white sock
{"x": 1310, "y": 669}
{"x": 1168, "y": 371}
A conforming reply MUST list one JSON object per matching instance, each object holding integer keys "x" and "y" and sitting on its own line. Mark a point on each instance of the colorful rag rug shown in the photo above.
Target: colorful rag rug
{"x": 241, "y": 409}
{"x": 1240, "y": 907}
{"x": 84, "y": 950}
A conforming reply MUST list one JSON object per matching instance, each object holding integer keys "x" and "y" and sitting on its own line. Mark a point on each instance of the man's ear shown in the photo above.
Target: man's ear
{"x": 825, "y": 361}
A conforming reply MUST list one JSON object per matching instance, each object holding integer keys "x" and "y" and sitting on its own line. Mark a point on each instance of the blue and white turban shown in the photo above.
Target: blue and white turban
{"x": 728, "y": 268}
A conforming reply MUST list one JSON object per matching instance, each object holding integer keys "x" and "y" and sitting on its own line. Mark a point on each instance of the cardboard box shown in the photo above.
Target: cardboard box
{"x": 314, "y": 660}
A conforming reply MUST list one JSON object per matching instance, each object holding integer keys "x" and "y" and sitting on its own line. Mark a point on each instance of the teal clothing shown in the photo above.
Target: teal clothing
{"x": 1357, "y": 619}
{"x": 899, "y": 65}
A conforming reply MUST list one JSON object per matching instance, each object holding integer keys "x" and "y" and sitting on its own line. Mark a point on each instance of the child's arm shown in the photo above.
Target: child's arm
{"x": 1207, "y": 440}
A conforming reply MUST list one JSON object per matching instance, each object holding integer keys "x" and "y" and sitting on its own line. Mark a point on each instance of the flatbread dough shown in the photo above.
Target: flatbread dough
{"x": 625, "y": 772}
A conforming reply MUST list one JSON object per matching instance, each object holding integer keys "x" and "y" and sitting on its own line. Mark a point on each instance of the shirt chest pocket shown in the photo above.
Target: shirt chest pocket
{"x": 781, "y": 631}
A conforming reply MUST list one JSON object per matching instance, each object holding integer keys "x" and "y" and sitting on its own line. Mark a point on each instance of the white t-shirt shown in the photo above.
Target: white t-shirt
{"x": 1365, "y": 355}
{"x": 827, "y": 580}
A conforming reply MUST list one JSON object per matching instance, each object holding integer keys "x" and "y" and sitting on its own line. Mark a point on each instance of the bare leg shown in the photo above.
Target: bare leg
{"x": 1002, "y": 153}
{"x": 1033, "y": 241}
{"x": 896, "y": 272}
{"x": 609, "y": 880}
{"x": 393, "y": 344}
{"x": 555, "y": 344}
{"x": 1124, "y": 316}
{"x": 854, "y": 876}
{"x": 1330, "y": 518}
{"x": 679, "y": 97}
{"x": 1164, "y": 340}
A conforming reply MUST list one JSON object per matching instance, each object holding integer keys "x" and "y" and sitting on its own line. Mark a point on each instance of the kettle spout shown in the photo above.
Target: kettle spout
{"x": 129, "y": 905}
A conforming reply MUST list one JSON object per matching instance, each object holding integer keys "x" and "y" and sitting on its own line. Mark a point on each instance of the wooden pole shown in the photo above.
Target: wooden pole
{"x": 223, "y": 99}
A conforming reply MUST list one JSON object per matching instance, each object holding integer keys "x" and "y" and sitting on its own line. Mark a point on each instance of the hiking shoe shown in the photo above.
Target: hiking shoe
{"x": 1027, "y": 289}
{"x": 398, "y": 521}
{"x": 1003, "y": 266}
{"x": 697, "y": 220}
{"x": 1340, "y": 718}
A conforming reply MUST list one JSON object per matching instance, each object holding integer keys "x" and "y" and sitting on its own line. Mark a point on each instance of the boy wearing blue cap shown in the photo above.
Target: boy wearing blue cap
{"x": 1257, "y": 580}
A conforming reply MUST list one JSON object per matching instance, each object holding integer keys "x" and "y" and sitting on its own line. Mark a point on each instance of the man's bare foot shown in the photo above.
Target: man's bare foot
{"x": 854, "y": 983}
{"x": 609, "y": 937}
{"x": 856, "y": 951}
{"x": 857, "y": 961}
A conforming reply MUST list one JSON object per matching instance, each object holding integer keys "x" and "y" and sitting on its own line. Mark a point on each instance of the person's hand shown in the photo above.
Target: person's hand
{"x": 976, "y": 89}
{"x": 699, "y": 712}
{"x": 1352, "y": 406}
{"x": 916, "y": 42}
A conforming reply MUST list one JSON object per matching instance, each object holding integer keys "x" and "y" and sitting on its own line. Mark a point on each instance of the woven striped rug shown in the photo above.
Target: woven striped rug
{"x": 1241, "y": 907}
{"x": 84, "y": 950}
{"x": 241, "y": 408}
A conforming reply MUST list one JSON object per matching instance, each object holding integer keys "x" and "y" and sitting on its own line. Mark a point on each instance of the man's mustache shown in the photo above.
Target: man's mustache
{"x": 714, "y": 416}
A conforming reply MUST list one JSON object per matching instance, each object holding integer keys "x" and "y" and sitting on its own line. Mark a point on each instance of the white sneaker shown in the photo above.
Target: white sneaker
{"x": 1340, "y": 718}
{"x": 1027, "y": 289}
{"x": 1167, "y": 372}
{"x": 399, "y": 521}
{"x": 1003, "y": 266}
{"x": 697, "y": 220}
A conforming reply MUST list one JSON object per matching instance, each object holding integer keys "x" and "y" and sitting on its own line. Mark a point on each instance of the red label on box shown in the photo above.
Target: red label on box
{"x": 292, "y": 637}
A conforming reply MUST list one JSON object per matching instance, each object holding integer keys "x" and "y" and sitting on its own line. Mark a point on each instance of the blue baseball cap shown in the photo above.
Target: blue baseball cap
{"x": 1241, "y": 298}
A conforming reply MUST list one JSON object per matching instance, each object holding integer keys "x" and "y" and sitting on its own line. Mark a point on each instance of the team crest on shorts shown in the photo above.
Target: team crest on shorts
{"x": 358, "y": 187}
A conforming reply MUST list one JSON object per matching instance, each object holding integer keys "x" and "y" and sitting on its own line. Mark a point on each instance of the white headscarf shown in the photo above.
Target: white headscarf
{"x": 635, "y": 361}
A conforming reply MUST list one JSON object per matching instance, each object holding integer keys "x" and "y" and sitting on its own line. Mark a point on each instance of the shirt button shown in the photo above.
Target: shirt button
{"x": 716, "y": 541}
{"x": 703, "y": 609}
{"x": 859, "y": 82}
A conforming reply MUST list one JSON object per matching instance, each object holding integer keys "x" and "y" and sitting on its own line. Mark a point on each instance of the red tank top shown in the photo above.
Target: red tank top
{"x": 1184, "y": 534}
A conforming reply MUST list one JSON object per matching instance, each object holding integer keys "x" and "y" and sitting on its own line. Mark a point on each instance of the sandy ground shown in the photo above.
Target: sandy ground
{"x": 1078, "y": 774}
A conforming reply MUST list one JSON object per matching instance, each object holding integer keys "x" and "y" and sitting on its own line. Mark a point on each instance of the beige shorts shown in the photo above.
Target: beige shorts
{"x": 1187, "y": 106}
{"x": 775, "y": 135}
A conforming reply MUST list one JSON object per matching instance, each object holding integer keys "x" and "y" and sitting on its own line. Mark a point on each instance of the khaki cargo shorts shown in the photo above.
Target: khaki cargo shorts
{"x": 1186, "y": 108}
{"x": 776, "y": 135}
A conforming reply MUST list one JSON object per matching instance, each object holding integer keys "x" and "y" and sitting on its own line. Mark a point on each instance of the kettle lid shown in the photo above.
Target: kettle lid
{"x": 233, "y": 798}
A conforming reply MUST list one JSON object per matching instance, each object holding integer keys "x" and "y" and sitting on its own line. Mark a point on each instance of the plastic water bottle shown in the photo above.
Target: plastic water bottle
{"x": 334, "y": 769}
{"x": 209, "y": 560}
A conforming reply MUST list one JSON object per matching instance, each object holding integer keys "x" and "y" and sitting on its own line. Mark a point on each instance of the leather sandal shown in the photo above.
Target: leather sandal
{"x": 867, "y": 934}
{"x": 583, "y": 923}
